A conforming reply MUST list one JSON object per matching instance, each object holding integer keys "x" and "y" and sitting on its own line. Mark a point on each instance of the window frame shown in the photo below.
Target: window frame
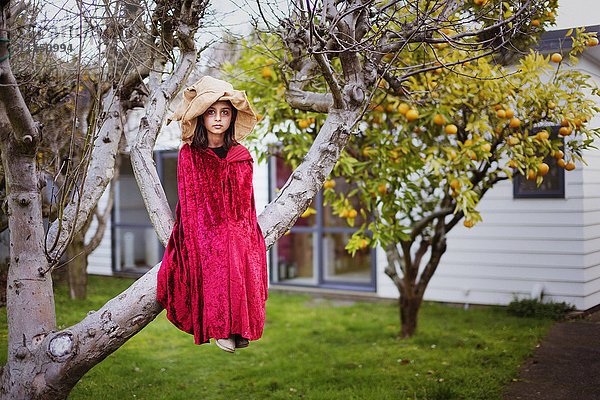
{"x": 318, "y": 231}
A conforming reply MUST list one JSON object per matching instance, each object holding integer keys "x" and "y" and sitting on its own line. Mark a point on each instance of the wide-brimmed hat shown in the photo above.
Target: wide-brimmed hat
{"x": 204, "y": 93}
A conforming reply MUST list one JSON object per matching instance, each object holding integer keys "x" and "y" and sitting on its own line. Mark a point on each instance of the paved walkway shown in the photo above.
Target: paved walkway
{"x": 565, "y": 367}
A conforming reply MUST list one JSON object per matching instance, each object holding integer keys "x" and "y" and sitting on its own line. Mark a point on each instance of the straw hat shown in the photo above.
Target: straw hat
{"x": 204, "y": 93}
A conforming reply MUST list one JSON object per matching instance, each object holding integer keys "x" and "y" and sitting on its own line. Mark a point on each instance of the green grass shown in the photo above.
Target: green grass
{"x": 314, "y": 349}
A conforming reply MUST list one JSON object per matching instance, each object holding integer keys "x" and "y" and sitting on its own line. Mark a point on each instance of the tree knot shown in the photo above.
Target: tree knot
{"x": 62, "y": 346}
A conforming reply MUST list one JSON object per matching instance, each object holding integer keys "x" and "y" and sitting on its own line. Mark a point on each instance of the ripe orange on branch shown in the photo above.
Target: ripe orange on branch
{"x": 412, "y": 114}
{"x": 556, "y": 57}
{"x": 592, "y": 42}
{"x": 266, "y": 72}
{"x": 329, "y": 184}
{"x": 543, "y": 169}
{"x": 451, "y": 129}
{"x": 541, "y": 135}
{"x": 403, "y": 108}
{"x": 439, "y": 119}
{"x": 565, "y": 130}
{"x": 514, "y": 123}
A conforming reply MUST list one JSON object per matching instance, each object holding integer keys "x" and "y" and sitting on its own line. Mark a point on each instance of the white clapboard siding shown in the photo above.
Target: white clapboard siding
{"x": 100, "y": 260}
{"x": 591, "y": 232}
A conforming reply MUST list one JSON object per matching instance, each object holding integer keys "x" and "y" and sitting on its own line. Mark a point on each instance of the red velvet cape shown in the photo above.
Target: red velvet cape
{"x": 213, "y": 277}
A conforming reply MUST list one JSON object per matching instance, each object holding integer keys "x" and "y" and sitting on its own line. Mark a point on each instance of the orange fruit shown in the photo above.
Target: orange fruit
{"x": 439, "y": 119}
{"x": 541, "y": 135}
{"x": 497, "y": 107}
{"x": 543, "y": 169}
{"x": 556, "y": 57}
{"x": 558, "y": 154}
{"x": 403, "y": 108}
{"x": 561, "y": 163}
{"x": 565, "y": 130}
{"x": 592, "y": 42}
{"x": 382, "y": 189}
{"x": 570, "y": 166}
{"x": 303, "y": 124}
{"x": 329, "y": 184}
{"x": 509, "y": 113}
{"x": 501, "y": 113}
{"x": 535, "y": 22}
{"x": 266, "y": 72}
{"x": 513, "y": 141}
{"x": 389, "y": 108}
{"x": 352, "y": 214}
{"x": 550, "y": 14}
{"x": 455, "y": 184}
{"x": 367, "y": 151}
{"x": 487, "y": 147}
{"x": 451, "y": 129}
{"x": 514, "y": 123}
{"x": 469, "y": 223}
{"x": 531, "y": 174}
{"x": 412, "y": 114}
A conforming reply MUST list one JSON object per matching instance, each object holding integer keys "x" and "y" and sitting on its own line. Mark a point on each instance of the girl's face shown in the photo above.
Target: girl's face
{"x": 217, "y": 118}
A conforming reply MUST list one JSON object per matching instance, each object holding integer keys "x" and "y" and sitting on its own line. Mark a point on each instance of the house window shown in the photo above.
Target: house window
{"x": 313, "y": 252}
{"x": 136, "y": 247}
{"x": 553, "y": 185}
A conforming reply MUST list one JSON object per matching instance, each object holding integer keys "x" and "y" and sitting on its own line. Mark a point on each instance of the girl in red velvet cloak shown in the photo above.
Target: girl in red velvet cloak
{"x": 213, "y": 277}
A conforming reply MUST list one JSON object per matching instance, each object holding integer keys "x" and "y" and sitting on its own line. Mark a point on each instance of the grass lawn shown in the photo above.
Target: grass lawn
{"x": 313, "y": 349}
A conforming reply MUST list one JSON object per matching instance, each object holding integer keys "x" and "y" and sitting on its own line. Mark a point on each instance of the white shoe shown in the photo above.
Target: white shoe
{"x": 226, "y": 344}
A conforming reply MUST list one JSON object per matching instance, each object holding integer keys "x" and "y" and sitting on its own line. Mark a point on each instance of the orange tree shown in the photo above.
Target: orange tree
{"x": 441, "y": 123}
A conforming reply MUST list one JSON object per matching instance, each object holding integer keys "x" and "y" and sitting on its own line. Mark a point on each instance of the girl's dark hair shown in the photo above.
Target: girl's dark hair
{"x": 200, "y": 139}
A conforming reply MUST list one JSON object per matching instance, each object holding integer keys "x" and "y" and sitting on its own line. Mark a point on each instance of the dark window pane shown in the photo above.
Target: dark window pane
{"x": 553, "y": 185}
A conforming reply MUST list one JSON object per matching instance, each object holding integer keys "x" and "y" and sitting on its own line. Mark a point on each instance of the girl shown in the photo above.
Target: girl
{"x": 213, "y": 277}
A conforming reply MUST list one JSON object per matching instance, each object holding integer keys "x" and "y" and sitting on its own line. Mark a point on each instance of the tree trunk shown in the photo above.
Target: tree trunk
{"x": 409, "y": 314}
{"x": 77, "y": 267}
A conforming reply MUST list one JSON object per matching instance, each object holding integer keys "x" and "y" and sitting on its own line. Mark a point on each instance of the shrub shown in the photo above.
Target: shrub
{"x": 534, "y": 308}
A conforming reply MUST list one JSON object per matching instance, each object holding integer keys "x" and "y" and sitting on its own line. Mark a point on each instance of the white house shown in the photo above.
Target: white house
{"x": 535, "y": 246}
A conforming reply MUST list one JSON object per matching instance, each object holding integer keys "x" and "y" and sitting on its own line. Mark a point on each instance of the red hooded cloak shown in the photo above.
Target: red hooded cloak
{"x": 213, "y": 277}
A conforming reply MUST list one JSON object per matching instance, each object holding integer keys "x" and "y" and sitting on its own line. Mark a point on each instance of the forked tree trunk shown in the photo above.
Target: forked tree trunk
{"x": 412, "y": 285}
{"x": 409, "y": 314}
